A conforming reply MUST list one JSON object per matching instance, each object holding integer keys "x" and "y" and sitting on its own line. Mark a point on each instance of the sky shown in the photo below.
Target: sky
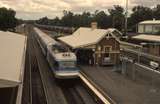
{"x": 35, "y": 9}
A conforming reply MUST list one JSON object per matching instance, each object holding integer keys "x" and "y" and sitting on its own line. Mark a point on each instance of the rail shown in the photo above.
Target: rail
{"x": 96, "y": 90}
{"x": 156, "y": 58}
{"x": 20, "y": 86}
{"x": 147, "y": 68}
{"x": 43, "y": 84}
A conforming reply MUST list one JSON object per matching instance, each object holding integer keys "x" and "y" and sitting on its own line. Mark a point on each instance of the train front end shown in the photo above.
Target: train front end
{"x": 67, "y": 66}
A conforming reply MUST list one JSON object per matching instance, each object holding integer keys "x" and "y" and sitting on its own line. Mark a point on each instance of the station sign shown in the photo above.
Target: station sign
{"x": 154, "y": 64}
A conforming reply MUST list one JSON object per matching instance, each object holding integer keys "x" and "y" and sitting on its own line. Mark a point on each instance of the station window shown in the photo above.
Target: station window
{"x": 106, "y": 55}
{"x": 157, "y": 28}
{"x": 99, "y": 48}
{"x": 107, "y": 48}
{"x": 99, "y": 55}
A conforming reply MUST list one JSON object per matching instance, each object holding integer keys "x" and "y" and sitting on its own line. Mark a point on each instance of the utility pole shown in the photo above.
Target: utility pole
{"x": 126, "y": 18}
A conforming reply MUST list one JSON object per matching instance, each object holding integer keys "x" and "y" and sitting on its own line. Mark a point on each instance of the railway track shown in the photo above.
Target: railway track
{"x": 27, "y": 90}
{"x": 141, "y": 58}
{"x": 75, "y": 92}
{"x": 45, "y": 89}
{"x": 100, "y": 96}
{"x": 66, "y": 89}
{"x": 53, "y": 94}
{"x": 37, "y": 89}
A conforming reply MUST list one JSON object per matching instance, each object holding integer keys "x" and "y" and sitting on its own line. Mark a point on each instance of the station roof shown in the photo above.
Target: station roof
{"x": 152, "y": 38}
{"x": 11, "y": 58}
{"x": 85, "y": 37}
{"x": 155, "y": 22}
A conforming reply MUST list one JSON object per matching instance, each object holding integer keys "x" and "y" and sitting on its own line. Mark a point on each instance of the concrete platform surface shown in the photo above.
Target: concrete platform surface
{"x": 122, "y": 89}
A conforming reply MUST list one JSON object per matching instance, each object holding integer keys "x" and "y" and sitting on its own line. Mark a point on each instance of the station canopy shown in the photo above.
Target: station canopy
{"x": 85, "y": 37}
{"x": 12, "y": 55}
{"x": 155, "y": 22}
{"x": 147, "y": 37}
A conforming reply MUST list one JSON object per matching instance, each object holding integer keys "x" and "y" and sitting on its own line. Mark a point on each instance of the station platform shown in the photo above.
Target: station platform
{"x": 12, "y": 62}
{"x": 120, "y": 88}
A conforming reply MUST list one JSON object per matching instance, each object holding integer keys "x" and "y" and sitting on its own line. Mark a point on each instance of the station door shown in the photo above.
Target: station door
{"x": 85, "y": 57}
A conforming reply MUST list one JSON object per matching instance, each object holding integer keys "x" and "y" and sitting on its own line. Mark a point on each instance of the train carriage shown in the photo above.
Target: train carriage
{"x": 60, "y": 59}
{"x": 43, "y": 40}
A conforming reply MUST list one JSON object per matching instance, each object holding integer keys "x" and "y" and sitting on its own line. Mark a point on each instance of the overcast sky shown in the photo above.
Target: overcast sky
{"x": 34, "y": 9}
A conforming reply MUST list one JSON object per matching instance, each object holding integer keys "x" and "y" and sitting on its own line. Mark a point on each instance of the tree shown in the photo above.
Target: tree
{"x": 56, "y": 22}
{"x": 7, "y": 18}
{"x": 117, "y": 15}
{"x": 156, "y": 12}
{"x": 103, "y": 20}
{"x": 43, "y": 21}
{"x": 85, "y": 19}
{"x": 140, "y": 13}
{"x": 67, "y": 19}
{"x": 76, "y": 20}
{"x": 115, "y": 18}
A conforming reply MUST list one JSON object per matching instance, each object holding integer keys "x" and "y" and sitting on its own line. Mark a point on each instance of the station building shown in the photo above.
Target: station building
{"x": 150, "y": 43}
{"x": 12, "y": 61}
{"x": 149, "y": 27}
{"x": 147, "y": 38}
{"x": 94, "y": 46}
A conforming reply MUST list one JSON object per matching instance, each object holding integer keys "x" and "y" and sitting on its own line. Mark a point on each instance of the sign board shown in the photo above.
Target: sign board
{"x": 154, "y": 64}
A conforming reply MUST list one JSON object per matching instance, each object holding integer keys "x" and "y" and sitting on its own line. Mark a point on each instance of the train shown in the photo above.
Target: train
{"x": 20, "y": 28}
{"x": 62, "y": 61}
{"x": 63, "y": 29}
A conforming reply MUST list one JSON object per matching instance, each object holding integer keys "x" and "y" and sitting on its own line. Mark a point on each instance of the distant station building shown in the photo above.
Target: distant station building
{"x": 12, "y": 61}
{"x": 150, "y": 43}
{"x": 94, "y": 46}
{"x": 149, "y": 27}
{"x": 148, "y": 37}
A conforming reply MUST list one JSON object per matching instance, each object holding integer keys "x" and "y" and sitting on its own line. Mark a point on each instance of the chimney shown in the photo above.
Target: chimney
{"x": 94, "y": 25}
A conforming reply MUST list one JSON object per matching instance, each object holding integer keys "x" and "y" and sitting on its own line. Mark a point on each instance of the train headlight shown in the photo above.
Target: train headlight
{"x": 66, "y": 54}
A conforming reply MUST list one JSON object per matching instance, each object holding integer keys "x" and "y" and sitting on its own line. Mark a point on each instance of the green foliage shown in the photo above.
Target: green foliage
{"x": 115, "y": 17}
{"x": 67, "y": 19}
{"x": 158, "y": 33}
{"x": 103, "y": 20}
{"x": 140, "y": 13}
{"x": 7, "y": 18}
{"x": 43, "y": 21}
{"x": 156, "y": 12}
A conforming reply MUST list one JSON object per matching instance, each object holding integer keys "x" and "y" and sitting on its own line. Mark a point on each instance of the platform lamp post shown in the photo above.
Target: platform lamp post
{"x": 126, "y": 19}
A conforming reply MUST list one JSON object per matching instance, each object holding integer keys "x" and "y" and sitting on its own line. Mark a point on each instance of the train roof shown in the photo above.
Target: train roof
{"x": 12, "y": 58}
{"x": 40, "y": 33}
{"x": 155, "y": 22}
{"x": 147, "y": 37}
{"x": 47, "y": 39}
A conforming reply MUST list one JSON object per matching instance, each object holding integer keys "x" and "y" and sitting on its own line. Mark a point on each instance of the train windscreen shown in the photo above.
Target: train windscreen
{"x": 67, "y": 65}
{"x": 58, "y": 49}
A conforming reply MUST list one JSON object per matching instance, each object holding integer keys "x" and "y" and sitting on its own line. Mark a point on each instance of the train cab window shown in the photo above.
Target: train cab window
{"x": 68, "y": 64}
{"x": 59, "y": 48}
{"x": 56, "y": 64}
{"x": 56, "y": 51}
